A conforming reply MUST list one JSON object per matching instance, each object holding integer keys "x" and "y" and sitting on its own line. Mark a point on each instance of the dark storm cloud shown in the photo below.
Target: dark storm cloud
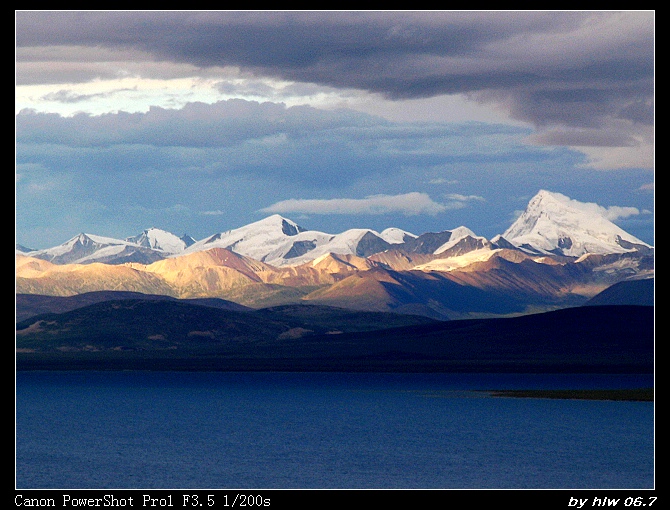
{"x": 578, "y": 68}
{"x": 639, "y": 111}
{"x": 276, "y": 39}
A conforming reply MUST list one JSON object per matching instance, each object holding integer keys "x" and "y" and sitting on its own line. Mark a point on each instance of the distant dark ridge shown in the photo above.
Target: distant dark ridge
{"x": 140, "y": 320}
{"x": 168, "y": 335}
{"x": 30, "y": 305}
{"x": 580, "y": 339}
{"x": 143, "y": 324}
{"x": 342, "y": 320}
{"x": 628, "y": 292}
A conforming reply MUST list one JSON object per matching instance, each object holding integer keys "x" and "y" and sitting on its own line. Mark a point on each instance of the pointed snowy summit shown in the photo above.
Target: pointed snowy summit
{"x": 394, "y": 235}
{"x": 255, "y": 240}
{"x": 556, "y": 224}
{"x": 462, "y": 241}
{"x": 158, "y": 239}
{"x": 88, "y": 248}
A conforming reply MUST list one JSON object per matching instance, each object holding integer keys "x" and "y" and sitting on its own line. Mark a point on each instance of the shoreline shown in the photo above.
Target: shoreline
{"x": 635, "y": 394}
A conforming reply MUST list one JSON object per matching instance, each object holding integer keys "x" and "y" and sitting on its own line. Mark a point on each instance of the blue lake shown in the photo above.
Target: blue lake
{"x": 179, "y": 430}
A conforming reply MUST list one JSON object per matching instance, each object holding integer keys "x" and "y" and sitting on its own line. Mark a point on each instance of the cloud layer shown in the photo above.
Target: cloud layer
{"x": 200, "y": 121}
{"x": 302, "y": 144}
{"x": 408, "y": 204}
{"x": 575, "y": 69}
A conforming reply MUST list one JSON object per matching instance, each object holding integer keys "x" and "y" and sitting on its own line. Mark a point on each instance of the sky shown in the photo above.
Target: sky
{"x": 198, "y": 122}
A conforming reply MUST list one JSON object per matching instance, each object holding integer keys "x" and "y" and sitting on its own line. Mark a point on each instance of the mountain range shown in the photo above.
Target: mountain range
{"x": 558, "y": 253}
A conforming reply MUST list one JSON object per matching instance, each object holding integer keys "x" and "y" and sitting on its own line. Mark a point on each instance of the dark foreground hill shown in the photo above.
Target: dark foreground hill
{"x": 29, "y": 305}
{"x": 627, "y": 292}
{"x": 172, "y": 335}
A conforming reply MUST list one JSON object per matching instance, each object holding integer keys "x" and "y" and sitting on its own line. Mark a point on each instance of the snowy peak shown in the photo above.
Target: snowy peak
{"x": 82, "y": 245}
{"x": 552, "y": 224}
{"x": 255, "y": 240}
{"x": 88, "y": 248}
{"x": 151, "y": 245}
{"x": 358, "y": 241}
{"x": 309, "y": 245}
{"x": 555, "y": 224}
{"x": 158, "y": 239}
{"x": 462, "y": 241}
{"x": 275, "y": 223}
{"x": 396, "y": 236}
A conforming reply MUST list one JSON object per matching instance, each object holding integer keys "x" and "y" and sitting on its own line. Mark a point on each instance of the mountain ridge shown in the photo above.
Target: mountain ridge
{"x": 552, "y": 224}
{"x": 276, "y": 262}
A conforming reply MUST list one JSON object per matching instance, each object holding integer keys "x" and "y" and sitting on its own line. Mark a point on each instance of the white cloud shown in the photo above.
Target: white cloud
{"x": 616, "y": 212}
{"x": 442, "y": 180}
{"x": 464, "y": 198}
{"x": 409, "y": 204}
{"x": 616, "y": 158}
{"x": 612, "y": 213}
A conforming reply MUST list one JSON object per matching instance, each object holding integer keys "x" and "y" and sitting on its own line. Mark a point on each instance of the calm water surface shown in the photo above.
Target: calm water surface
{"x": 176, "y": 430}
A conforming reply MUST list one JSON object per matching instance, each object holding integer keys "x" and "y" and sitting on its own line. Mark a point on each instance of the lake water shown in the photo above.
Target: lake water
{"x": 168, "y": 430}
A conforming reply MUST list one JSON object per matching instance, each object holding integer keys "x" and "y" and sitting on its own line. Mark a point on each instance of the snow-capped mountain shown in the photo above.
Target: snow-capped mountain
{"x": 281, "y": 242}
{"x": 272, "y": 237}
{"x": 394, "y": 235}
{"x": 358, "y": 242}
{"x": 462, "y": 240}
{"x": 88, "y": 248}
{"x": 161, "y": 240}
{"x": 151, "y": 245}
{"x": 552, "y": 224}
{"x": 555, "y": 224}
{"x": 558, "y": 253}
